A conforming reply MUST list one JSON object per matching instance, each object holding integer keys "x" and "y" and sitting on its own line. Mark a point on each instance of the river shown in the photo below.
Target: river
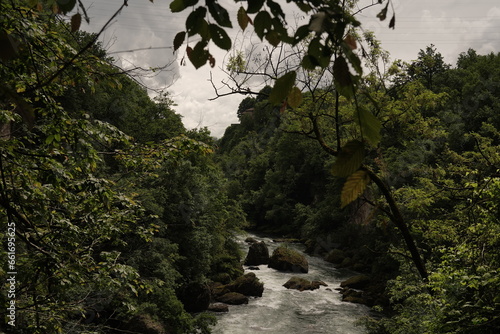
{"x": 284, "y": 311}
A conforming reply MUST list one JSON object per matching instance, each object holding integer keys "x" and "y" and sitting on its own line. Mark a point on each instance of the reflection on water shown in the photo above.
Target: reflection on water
{"x": 281, "y": 310}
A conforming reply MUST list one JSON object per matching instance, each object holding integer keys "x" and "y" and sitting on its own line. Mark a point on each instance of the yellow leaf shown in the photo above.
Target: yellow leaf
{"x": 354, "y": 186}
{"x": 349, "y": 159}
{"x": 295, "y": 97}
{"x": 350, "y": 40}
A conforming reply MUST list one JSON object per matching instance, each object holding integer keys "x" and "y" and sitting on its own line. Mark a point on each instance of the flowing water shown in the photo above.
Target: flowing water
{"x": 281, "y": 310}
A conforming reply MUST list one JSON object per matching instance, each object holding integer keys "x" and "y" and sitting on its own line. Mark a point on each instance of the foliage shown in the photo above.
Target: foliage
{"x": 94, "y": 176}
{"x": 440, "y": 168}
{"x": 450, "y": 189}
{"x": 331, "y": 22}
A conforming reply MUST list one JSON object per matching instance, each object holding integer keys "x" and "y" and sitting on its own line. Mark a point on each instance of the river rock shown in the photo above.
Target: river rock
{"x": 258, "y": 253}
{"x": 218, "y": 307}
{"x": 302, "y": 284}
{"x": 346, "y": 263}
{"x": 195, "y": 297}
{"x": 218, "y": 289}
{"x": 248, "y": 285}
{"x": 356, "y": 282}
{"x": 286, "y": 240}
{"x": 335, "y": 256}
{"x": 233, "y": 298}
{"x": 250, "y": 240}
{"x": 353, "y": 296}
{"x": 286, "y": 259}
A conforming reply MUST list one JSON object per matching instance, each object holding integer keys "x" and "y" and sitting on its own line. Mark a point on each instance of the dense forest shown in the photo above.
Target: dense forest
{"x": 439, "y": 156}
{"x": 113, "y": 207}
{"x": 116, "y": 218}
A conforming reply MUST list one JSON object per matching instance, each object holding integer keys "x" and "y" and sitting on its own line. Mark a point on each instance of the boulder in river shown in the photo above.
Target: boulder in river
{"x": 250, "y": 240}
{"x": 353, "y": 296}
{"x": 302, "y": 284}
{"x": 218, "y": 289}
{"x": 335, "y": 256}
{"x": 233, "y": 298}
{"x": 356, "y": 282}
{"x": 286, "y": 259}
{"x": 258, "y": 253}
{"x": 248, "y": 285}
{"x": 218, "y": 307}
{"x": 287, "y": 240}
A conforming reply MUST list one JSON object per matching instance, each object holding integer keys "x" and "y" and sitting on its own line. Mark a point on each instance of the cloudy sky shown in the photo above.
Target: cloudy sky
{"x": 453, "y": 26}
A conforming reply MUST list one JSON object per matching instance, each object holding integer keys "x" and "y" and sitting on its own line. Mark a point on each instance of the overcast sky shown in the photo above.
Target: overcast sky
{"x": 453, "y": 26}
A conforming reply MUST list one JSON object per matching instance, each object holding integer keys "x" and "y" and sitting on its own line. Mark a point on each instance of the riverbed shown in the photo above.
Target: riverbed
{"x": 284, "y": 311}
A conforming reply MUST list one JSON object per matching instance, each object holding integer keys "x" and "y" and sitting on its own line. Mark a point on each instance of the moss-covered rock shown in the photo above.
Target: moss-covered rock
{"x": 258, "y": 253}
{"x": 233, "y": 298}
{"x": 218, "y": 307}
{"x": 301, "y": 284}
{"x": 250, "y": 240}
{"x": 286, "y": 259}
{"x": 335, "y": 256}
{"x": 248, "y": 285}
{"x": 356, "y": 282}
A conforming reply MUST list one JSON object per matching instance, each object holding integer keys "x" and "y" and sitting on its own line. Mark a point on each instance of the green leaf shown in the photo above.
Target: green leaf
{"x": 219, "y": 37}
{"x": 219, "y": 13}
{"x": 352, "y": 57}
{"x": 66, "y": 6}
{"x": 243, "y": 18}
{"x": 349, "y": 159}
{"x": 273, "y": 38}
{"x": 301, "y": 33}
{"x": 295, "y": 97}
{"x": 353, "y": 187}
{"x": 282, "y": 87}
{"x": 383, "y": 13}
{"x": 262, "y": 23}
{"x": 309, "y": 63}
{"x": 392, "y": 23}
{"x": 319, "y": 52}
{"x": 199, "y": 55}
{"x": 180, "y": 5}
{"x": 195, "y": 20}
{"x": 49, "y": 139}
{"x": 370, "y": 126}
{"x": 254, "y": 6}
{"x": 303, "y": 7}
{"x": 342, "y": 77}
{"x": 275, "y": 9}
{"x": 179, "y": 39}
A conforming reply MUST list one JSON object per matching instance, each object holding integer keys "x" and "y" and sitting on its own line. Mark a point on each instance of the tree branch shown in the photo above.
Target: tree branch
{"x": 82, "y": 51}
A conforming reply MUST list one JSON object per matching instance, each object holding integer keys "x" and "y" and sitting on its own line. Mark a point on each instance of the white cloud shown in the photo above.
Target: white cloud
{"x": 452, "y": 26}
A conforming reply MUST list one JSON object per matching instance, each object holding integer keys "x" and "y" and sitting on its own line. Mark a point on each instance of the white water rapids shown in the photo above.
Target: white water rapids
{"x": 284, "y": 311}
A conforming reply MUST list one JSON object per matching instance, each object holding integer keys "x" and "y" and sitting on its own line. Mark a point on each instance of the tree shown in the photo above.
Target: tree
{"x": 429, "y": 64}
{"x": 447, "y": 189}
{"x": 86, "y": 238}
{"x": 67, "y": 221}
